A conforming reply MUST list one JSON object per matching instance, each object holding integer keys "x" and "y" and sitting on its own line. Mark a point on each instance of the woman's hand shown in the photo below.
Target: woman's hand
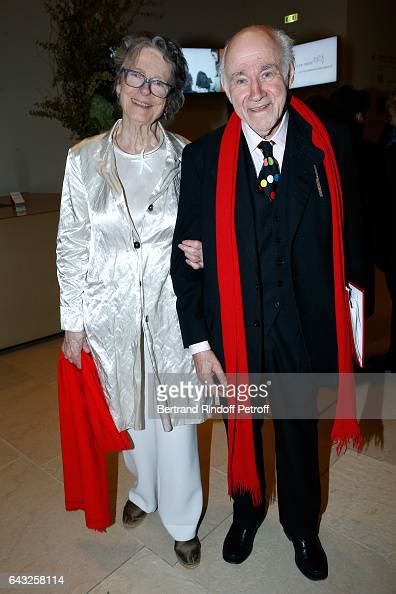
{"x": 192, "y": 249}
{"x": 73, "y": 344}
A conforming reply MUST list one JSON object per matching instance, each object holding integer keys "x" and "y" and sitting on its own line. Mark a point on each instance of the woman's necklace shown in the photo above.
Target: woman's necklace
{"x": 143, "y": 162}
{"x": 144, "y": 150}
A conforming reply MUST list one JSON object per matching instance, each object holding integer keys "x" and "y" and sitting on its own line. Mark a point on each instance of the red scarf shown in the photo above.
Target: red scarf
{"x": 242, "y": 471}
{"x": 87, "y": 433}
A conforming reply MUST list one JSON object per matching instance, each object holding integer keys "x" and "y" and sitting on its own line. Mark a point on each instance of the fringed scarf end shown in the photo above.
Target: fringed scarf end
{"x": 344, "y": 431}
{"x": 254, "y": 491}
{"x": 97, "y": 527}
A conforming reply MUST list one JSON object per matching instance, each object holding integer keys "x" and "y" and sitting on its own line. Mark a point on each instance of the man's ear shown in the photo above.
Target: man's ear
{"x": 290, "y": 76}
{"x": 225, "y": 86}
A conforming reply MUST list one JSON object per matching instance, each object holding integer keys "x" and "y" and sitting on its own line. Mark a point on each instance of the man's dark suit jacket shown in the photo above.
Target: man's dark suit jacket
{"x": 309, "y": 243}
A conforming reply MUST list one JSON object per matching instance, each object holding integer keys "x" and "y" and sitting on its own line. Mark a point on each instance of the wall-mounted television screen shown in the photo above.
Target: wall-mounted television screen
{"x": 203, "y": 67}
{"x": 316, "y": 62}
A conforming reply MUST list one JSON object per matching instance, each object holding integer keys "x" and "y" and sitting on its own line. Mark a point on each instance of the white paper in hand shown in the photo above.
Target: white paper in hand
{"x": 356, "y": 307}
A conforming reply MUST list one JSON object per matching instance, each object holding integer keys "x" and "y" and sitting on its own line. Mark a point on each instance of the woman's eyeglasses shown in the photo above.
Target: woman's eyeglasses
{"x": 136, "y": 79}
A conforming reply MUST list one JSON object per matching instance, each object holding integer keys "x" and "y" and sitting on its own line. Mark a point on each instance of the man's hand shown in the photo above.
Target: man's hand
{"x": 192, "y": 249}
{"x": 73, "y": 344}
{"x": 207, "y": 366}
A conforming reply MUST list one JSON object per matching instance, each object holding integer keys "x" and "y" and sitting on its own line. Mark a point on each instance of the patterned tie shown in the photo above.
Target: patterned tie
{"x": 269, "y": 175}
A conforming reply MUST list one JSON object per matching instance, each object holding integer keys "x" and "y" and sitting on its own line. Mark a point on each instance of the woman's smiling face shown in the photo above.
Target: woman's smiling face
{"x": 139, "y": 104}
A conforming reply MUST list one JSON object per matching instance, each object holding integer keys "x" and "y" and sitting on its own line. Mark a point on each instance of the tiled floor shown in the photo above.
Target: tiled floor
{"x": 39, "y": 538}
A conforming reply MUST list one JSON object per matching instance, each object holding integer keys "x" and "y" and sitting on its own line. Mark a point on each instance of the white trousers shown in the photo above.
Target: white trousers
{"x": 165, "y": 465}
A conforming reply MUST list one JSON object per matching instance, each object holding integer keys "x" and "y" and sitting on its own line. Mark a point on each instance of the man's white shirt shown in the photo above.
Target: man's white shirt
{"x": 278, "y": 141}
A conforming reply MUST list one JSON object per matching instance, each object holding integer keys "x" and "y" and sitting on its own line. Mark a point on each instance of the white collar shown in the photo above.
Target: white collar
{"x": 279, "y": 137}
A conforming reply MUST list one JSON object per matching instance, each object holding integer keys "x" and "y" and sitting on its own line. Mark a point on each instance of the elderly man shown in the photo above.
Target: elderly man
{"x": 263, "y": 196}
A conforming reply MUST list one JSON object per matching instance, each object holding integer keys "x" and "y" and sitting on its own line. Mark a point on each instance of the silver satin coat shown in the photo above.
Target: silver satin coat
{"x": 112, "y": 289}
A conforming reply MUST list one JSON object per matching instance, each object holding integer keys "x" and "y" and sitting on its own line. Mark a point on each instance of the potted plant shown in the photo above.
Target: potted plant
{"x": 84, "y": 35}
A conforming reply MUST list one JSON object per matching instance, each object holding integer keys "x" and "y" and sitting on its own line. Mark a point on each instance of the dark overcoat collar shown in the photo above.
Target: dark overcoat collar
{"x": 298, "y": 176}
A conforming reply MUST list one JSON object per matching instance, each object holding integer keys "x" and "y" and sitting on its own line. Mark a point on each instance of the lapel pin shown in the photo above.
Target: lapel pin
{"x": 320, "y": 191}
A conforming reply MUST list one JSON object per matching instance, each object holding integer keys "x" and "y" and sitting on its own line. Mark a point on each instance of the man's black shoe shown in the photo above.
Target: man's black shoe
{"x": 238, "y": 543}
{"x": 310, "y": 557}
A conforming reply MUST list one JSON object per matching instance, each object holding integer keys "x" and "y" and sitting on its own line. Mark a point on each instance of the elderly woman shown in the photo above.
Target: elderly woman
{"x": 119, "y": 206}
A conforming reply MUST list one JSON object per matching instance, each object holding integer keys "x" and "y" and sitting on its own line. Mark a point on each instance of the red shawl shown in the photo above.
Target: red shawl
{"x": 242, "y": 472}
{"x": 87, "y": 433}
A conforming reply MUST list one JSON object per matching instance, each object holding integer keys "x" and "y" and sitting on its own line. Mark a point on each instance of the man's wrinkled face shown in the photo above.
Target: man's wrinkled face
{"x": 254, "y": 82}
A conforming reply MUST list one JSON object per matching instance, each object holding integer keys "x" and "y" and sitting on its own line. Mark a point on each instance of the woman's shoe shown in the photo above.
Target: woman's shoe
{"x": 188, "y": 552}
{"x": 132, "y": 515}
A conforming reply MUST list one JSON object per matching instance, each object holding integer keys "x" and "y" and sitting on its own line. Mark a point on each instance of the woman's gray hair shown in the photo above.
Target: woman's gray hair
{"x": 130, "y": 49}
{"x": 285, "y": 44}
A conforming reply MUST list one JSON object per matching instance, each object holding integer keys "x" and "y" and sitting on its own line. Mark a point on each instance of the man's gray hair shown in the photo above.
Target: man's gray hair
{"x": 285, "y": 44}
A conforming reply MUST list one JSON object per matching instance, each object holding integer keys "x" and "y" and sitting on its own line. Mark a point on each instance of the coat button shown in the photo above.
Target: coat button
{"x": 256, "y": 323}
{"x": 151, "y": 207}
{"x": 136, "y": 244}
{"x": 146, "y": 318}
{"x": 276, "y": 304}
{"x": 280, "y": 261}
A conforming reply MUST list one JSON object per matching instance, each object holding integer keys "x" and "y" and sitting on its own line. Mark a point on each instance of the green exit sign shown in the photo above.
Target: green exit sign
{"x": 291, "y": 18}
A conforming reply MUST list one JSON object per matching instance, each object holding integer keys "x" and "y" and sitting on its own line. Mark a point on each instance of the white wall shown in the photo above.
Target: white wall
{"x": 32, "y": 150}
{"x": 372, "y": 37}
